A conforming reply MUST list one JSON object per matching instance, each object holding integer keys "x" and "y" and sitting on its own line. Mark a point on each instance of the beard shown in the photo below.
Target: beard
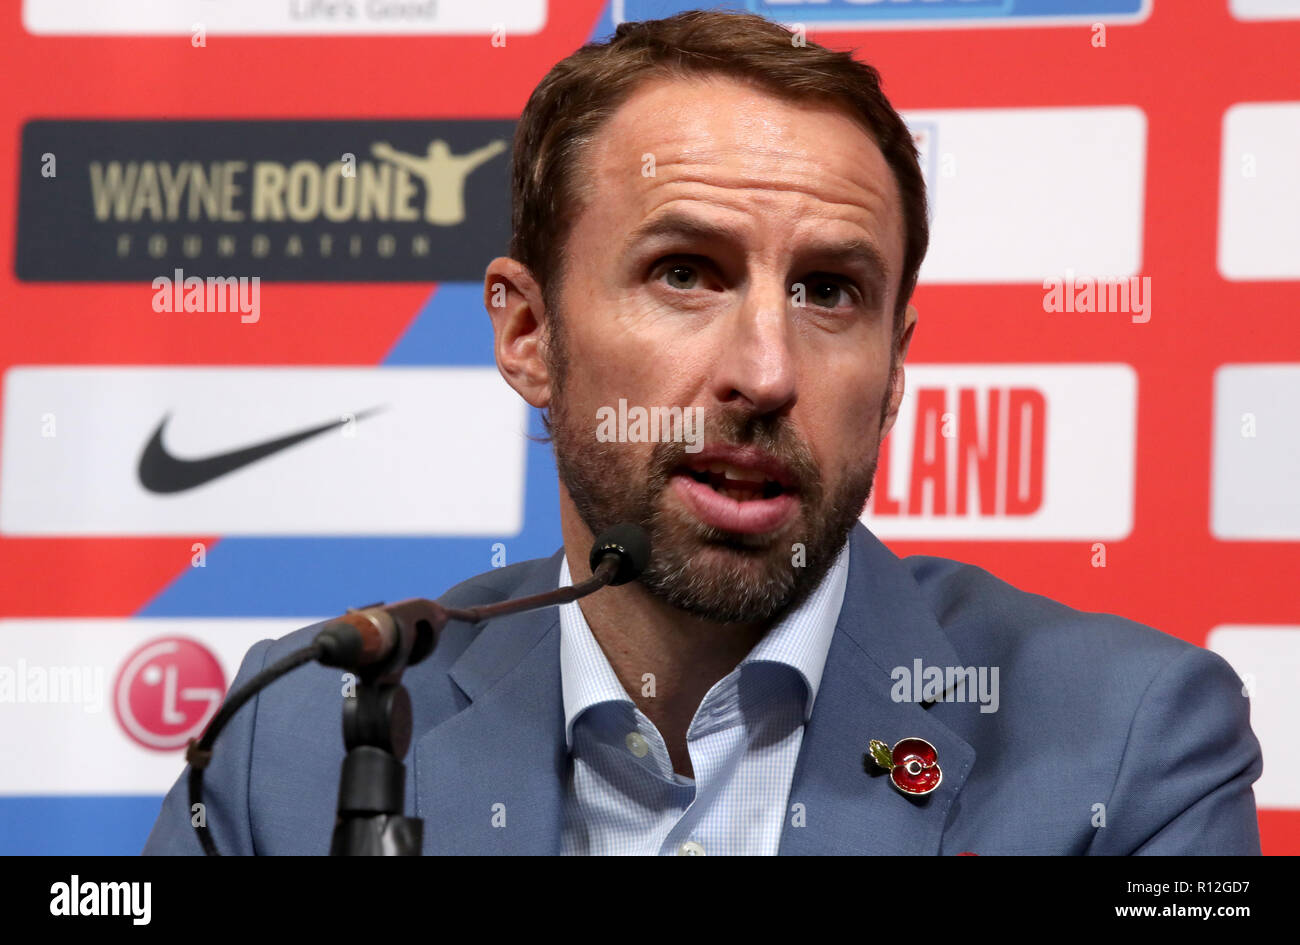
{"x": 717, "y": 575}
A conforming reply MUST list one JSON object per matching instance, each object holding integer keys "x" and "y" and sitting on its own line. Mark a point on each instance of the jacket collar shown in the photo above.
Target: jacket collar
{"x": 491, "y": 779}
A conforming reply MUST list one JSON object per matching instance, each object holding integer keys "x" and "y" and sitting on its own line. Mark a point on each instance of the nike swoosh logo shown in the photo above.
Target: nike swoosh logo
{"x": 161, "y": 472}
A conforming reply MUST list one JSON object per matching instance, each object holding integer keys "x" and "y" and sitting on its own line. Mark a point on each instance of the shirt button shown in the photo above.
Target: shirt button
{"x": 690, "y": 848}
{"x": 637, "y": 744}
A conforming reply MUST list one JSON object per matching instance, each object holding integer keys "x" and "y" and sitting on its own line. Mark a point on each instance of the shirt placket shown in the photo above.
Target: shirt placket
{"x": 713, "y": 739}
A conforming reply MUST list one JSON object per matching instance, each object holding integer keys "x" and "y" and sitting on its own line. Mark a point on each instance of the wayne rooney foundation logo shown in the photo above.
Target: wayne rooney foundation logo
{"x": 167, "y": 692}
{"x": 314, "y": 201}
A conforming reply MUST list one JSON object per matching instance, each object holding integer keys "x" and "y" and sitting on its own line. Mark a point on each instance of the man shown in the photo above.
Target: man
{"x": 710, "y": 216}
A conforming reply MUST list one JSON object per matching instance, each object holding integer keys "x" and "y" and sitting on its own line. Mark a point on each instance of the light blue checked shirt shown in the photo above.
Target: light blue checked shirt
{"x": 623, "y": 797}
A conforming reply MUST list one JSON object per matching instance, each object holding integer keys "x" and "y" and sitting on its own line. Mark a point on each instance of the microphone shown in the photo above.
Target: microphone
{"x": 630, "y": 544}
{"x": 389, "y": 637}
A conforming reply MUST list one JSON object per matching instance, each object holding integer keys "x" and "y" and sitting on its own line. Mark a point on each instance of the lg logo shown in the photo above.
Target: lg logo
{"x": 167, "y": 692}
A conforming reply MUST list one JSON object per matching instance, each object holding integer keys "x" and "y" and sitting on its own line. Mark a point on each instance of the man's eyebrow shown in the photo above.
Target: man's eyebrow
{"x": 682, "y": 226}
{"x": 685, "y": 227}
{"x": 853, "y": 251}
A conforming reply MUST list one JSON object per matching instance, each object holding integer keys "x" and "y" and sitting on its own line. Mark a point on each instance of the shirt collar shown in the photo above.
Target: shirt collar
{"x": 800, "y": 640}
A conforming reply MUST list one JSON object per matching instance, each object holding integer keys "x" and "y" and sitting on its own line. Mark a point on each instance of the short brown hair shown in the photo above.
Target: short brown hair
{"x": 582, "y": 91}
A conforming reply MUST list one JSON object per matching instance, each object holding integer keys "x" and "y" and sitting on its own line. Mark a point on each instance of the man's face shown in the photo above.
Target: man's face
{"x": 739, "y": 253}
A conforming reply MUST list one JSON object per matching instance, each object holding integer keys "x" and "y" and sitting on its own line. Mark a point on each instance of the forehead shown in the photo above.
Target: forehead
{"x": 721, "y": 140}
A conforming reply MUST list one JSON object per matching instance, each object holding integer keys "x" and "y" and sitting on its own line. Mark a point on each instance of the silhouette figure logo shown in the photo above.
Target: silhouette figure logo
{"x": 443, "y": 174}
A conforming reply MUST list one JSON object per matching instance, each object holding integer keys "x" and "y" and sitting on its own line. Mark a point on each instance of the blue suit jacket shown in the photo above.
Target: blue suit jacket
{"x": 1094, "y": 710}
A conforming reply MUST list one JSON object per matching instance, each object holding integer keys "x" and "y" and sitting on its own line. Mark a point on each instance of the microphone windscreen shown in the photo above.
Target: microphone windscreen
{"x": 632, "y": 545}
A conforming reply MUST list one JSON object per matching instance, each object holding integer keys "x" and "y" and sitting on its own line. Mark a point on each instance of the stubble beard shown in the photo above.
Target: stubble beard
{"x": 720, "y": 576}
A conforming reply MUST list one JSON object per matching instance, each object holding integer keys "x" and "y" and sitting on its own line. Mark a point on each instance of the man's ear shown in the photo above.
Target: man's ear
{"x": 514, "y": 303}
{"x": 895, "y": 398}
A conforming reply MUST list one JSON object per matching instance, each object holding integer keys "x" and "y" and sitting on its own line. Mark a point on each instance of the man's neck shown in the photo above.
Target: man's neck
{"x": 666, "y": 660}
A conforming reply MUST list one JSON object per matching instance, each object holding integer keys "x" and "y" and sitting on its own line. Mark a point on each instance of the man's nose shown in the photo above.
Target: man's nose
{"x": 756, "y": 359}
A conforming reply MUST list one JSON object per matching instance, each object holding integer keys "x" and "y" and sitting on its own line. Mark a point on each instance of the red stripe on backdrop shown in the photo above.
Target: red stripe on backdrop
{"x": 114, "y": 323}
{"x": 1280, "y": 832}
{"x": 89, "y": 577}
{"x": 286, "y": 76}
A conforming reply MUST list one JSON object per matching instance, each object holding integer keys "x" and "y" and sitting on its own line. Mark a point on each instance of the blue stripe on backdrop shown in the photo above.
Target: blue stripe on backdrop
{"x": 857, "y": 11}
{"x": 75, "y": 826}
{"x": 451, "y": 328}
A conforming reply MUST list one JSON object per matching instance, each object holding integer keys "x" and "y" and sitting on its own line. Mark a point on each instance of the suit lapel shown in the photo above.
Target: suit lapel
{"x": 849, "y": 807}
{"x": 490, "y": 779}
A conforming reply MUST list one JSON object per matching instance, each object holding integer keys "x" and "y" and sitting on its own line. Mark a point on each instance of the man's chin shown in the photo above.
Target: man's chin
{"x": 723, "y": 577}
{"x": 738, "y": 602}
{"x": 751, "y": 557}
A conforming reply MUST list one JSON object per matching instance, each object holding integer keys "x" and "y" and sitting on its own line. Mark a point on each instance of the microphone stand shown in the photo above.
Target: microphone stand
{"x": 377, "y": 735}
{"x": 377, "y": 720}
{"x": 372, "y": 784}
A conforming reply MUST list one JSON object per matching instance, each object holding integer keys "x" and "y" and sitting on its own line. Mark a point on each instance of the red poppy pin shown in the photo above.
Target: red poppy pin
{"x": 913, "y": 765}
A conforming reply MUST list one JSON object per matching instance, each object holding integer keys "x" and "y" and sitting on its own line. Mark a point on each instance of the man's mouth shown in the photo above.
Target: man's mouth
{"x": 737, "y": 490}
{"x": 742, "y": 485}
